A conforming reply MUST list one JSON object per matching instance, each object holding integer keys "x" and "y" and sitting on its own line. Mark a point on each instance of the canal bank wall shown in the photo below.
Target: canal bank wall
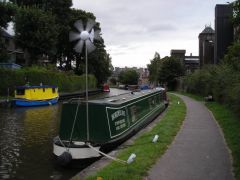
{"x": 7, "y": 103}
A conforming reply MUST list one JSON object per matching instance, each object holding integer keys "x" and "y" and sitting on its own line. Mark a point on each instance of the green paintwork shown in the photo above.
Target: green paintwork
{"x": 111, "y": 120}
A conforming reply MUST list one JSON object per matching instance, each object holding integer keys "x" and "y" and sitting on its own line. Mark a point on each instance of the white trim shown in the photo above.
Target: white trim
{"x": 77, "y": 153}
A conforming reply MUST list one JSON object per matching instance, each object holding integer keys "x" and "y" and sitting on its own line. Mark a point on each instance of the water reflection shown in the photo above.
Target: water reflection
{"x": 26, "y": 143}
{"x": 10, "y": 142}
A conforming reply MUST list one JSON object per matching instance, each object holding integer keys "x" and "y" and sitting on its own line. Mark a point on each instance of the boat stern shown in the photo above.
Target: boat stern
{"x": 78, "y": 150}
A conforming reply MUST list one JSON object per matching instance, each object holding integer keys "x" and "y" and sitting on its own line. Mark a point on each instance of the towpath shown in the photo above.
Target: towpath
{"x": 198, "y": 152}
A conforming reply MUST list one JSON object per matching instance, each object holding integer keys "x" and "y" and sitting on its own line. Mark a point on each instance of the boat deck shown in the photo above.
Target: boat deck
{"x": 122, "y": 98}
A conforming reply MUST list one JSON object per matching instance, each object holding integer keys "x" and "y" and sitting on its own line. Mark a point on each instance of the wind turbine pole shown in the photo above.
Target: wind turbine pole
{"x": 86, "y": 70}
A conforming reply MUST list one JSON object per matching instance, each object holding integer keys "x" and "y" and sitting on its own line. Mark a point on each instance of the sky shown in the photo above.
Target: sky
{"x": 133, "y": 30}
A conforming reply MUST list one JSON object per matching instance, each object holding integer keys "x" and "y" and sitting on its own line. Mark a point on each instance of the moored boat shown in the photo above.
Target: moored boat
{"x": 36, "y": 95}
{"x": 111, "y": 120}
{"x": 106, "y": 87}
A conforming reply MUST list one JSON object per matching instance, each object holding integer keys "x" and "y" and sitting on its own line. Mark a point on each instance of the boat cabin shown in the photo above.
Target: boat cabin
{"x": 36, "y": 92}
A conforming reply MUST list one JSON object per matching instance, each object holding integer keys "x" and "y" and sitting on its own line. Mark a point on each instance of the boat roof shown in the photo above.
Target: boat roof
{"x": 35, "y": 87}
{"x": 121, "y": 98}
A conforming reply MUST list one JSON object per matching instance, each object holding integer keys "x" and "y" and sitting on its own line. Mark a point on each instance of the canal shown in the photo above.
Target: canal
{"x": 26, "y": 136}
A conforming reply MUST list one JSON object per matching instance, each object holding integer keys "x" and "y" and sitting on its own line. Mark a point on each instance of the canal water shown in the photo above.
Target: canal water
{"x": 26, "y": 136}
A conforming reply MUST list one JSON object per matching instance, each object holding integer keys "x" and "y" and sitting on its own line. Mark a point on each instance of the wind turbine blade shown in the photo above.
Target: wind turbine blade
{"x": 74, "y": 36}
{"x": 97, "y": 35}
{"x": 79, "y": 46}
{"x": 90, "y": 24}
{"x": 79, "y": 25}
{"x": 91, "y": 35}
{"x": 90, "y": 46}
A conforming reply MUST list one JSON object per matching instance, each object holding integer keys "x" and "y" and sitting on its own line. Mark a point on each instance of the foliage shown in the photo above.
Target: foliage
{"x": 7, "y": 12}
{"x": 50, "y": 36}
{"x": 113, "y": 81}
{"x": 236, "y": 12}
{"x": 169, "y": 71}
{"x": 35, "y": 31}
{"x": 221, "y": 81}
{"x": 147, "y": 152}
{"x": 153, "y": 68}
{"x": 36, "y": 75}
{"x": 165, "y": 71}
{"x": 129, "y": 77}
{"x": 3, "y": 51}
{"x": 236, "y": 18}
{"x": 233, "y": 56}
{"x": 200, "y": 82}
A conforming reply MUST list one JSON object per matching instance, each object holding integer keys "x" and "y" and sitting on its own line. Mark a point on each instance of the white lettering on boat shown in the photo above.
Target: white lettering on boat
{"x": 117, "y": 114}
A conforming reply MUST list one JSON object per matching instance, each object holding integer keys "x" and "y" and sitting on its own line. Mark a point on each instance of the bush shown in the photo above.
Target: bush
{"x": 35, "y": 75}
{"x": 221, "y": 81}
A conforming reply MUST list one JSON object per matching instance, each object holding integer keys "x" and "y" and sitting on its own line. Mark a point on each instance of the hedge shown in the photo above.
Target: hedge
{"x": 66, "y": 82}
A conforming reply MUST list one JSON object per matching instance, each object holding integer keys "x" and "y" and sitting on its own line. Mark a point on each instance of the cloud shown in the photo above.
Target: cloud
{"x": 134, "y": 30}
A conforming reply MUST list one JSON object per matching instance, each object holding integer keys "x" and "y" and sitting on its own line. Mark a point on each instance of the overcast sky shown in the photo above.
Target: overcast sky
{"x": 133, "y": 30}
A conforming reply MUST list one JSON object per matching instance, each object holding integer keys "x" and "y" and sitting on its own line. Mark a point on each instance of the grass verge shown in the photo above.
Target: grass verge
{"x": 146, "y": 151}
{"x": 230, "y": 125}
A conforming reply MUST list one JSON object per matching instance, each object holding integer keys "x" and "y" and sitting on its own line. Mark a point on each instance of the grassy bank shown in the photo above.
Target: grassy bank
{"x": 230, "y": 124}
{"x": 66, "y": 82}
{"x": 147, "y": 152}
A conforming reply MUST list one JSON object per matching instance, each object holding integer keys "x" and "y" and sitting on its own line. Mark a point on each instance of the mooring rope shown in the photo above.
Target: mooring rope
{"x": 106, "y": 155}
{"x": 70, "y": 140}
{"x": 62, "y": 143}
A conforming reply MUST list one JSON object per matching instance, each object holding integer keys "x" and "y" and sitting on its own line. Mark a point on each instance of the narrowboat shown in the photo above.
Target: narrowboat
{"x": 36, "y": 95}
{"x": 110, "y": 120}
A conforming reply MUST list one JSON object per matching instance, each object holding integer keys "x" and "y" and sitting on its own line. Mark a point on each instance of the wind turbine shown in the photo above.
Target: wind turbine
{"x": 85, "y": 36}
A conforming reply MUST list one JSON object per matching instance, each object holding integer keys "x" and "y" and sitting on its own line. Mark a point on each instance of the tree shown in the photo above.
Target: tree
{"x": 35, "y": 17}
{"x": 7, "y": 12}
{"x": 129, "y": 77}
{"x": 236, "y": 19}
{"x": 99, "y": 61}
{"x": 153, "y": 68}
{"x": 169, "y": 71}
{"x": 232, "y": 58}
{"x": 36, "y": 32}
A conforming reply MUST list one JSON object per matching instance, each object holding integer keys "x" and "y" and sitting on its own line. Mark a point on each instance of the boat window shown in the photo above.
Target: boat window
{"x": 20, "y": 91}
{"x": 53, "y": 90}
{"x": 43, "y": 89}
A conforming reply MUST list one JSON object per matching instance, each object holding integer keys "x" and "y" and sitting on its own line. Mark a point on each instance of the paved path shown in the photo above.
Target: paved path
{"x": 198, "y": 151}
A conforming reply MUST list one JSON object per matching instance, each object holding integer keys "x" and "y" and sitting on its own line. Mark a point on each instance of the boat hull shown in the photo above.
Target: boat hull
{"x": 30, "y": 103}
{"x": 77, "y": 152}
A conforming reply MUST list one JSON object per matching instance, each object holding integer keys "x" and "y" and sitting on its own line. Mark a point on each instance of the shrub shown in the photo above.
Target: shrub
{"x": 34, "y": 75}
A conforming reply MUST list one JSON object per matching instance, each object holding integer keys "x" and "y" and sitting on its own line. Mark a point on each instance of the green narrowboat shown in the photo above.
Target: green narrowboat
{"x": 110, "y": 120}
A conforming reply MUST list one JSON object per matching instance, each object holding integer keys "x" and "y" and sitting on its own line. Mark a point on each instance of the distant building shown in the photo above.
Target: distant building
{"x": 191, "y": 63}
{"x": 223, "y": 30}
{"x": 178, "y": 54}
{"x": 16, "y": 55}
{"x": 143, "y": 73}
{"x": 206, "y": 46}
